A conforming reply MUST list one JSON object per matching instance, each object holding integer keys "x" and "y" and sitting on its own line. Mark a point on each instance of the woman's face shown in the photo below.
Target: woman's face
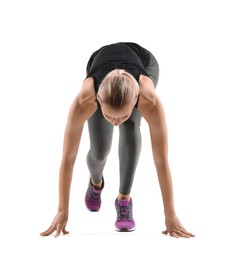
{"x": 116, "y": 116}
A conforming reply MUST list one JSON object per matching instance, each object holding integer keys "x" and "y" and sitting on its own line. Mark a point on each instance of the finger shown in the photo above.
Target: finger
{"x": 65, "y": 232}
{"x": 59, "y": 228}
{"x": 173, "y": 234}
{"x": 165, "y": 232}
{"x": 190, "y": 234}
{"x": 182, "y": 234}
{"x": 42, "y": 233}
{"x": 186, "y": 232}
{"x": 48, "y": 231}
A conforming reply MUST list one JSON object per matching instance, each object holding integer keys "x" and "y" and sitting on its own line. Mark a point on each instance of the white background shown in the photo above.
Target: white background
{"x": 44, "y": 48}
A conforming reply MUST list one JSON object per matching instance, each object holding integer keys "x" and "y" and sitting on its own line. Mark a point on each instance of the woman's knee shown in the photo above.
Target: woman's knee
{"x": 99, "y": 155}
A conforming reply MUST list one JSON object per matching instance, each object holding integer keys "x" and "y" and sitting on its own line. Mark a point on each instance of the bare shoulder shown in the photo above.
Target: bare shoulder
{"x": 149, "y": 104}
{"x": 87, "y": 92}
{"x": 85, "y": 101}
{"x": 147, "y": 97}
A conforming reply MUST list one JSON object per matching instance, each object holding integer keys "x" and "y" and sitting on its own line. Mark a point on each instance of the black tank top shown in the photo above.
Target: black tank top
{"x": 123, "y": 55}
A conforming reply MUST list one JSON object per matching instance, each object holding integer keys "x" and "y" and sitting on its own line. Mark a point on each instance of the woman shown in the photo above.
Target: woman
{"x": 119, "y": 89}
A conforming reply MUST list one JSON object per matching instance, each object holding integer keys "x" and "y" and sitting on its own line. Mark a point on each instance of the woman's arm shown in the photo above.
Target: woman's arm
{"x": 152, "y": 110}
{"x": 81, "y": 109}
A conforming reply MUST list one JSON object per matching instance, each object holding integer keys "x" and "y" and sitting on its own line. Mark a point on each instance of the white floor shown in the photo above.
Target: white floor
{"x": 94, "y": 236}
{"x": 206, "y": 213}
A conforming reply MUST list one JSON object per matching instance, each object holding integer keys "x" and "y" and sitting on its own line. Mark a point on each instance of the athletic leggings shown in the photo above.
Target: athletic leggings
{"x": 101, "y": 132}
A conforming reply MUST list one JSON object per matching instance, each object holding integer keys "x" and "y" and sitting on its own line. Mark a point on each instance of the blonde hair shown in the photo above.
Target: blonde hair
{"x": 118, "y": 88}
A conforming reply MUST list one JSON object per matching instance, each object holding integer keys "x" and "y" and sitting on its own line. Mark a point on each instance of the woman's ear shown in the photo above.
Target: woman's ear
{"x": 136, "y": 99}
{"x": 99, "y": 98}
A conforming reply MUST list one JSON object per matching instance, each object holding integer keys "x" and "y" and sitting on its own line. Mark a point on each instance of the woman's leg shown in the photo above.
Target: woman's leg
{"x": 100, "y": 133}
{"x": 129, "y": 151}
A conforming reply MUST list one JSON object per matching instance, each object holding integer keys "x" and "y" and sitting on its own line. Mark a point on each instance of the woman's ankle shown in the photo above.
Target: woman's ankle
{"x": 124, "y": 197}
{"x": 97, "y": 185}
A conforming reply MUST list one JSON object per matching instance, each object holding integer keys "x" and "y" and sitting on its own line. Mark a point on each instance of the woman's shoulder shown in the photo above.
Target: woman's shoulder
{"x": 87, "y": 94}
{"x": 147, "y": 96}
{"x": 147, "y": 88}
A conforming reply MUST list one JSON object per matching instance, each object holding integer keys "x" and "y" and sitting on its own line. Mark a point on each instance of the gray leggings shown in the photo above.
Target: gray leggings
{"x": 101, "y": 132}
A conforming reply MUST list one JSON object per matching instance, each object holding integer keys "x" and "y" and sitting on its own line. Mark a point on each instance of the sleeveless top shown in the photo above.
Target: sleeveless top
{"x": 123, "y": 55}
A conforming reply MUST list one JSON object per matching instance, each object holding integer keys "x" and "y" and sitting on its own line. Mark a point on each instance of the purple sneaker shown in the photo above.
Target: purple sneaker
{"x": 93, "y": 197}
{"x": 125, "y": 221}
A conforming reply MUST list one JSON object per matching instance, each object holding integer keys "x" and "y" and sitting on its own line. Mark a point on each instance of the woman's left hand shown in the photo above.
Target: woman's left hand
{"x": 175, "y": 229}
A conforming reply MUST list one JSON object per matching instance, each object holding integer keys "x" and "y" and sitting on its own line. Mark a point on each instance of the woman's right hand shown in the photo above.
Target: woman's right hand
{"x": 59, "y": 224}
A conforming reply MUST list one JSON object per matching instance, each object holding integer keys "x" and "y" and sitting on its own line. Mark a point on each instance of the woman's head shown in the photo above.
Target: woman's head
{"x": 118, "y": 88}
{"x": 117, "y": 95}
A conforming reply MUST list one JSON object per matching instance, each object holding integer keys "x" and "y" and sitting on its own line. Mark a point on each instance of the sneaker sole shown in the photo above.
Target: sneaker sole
{"x": 93, "y": 210}
{"x": 125, "y": 229}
